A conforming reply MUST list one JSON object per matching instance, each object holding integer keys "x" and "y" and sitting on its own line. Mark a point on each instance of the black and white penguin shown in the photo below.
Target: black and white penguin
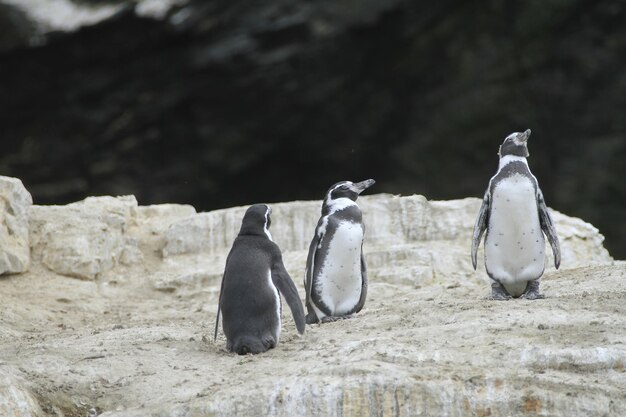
{"x": 515, "y": 216}
{"x": 336, "y": 275}
{"x": 254, "y": 278}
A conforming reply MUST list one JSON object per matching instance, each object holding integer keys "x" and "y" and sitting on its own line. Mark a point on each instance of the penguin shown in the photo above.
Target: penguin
{"x": 336, "y": 275}
{"x": 254, "y": 278}
{"x": 515, "y": 217}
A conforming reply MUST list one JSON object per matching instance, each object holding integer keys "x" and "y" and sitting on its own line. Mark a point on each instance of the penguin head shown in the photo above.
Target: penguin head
{"x": 346, "y": 189}
{"x": 257, "y": 221}
{"x": 515, "y": 145}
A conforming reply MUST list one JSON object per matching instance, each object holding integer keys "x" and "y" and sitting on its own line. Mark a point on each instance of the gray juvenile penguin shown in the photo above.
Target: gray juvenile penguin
{"x": 254, "y": 278}
{"x": 515, "y": 216}
{"x": 336, "y": 276}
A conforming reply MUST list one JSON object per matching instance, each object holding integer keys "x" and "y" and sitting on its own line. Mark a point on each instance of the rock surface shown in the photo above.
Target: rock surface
{"x": 15, "y": 202}
{"x": 16, "y": 400}
{"x": 134, "y": 339}
{"x": 82, "y": 239}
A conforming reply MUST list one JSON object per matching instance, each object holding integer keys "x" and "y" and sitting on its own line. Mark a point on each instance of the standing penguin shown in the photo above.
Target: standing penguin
{"x": 515, "y": 215}
{"x": 336, "y": 276}
{"x": 253, "y": 280}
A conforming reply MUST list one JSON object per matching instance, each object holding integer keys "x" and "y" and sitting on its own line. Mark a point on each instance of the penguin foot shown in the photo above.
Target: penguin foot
{"x": 311, "y": 318}
{"x": 532, "y": 295}
{"x": 498, "y": 292}
{"x": 330, "y": 319}
{"x": 499, "y": 297}
{"x": 532, "y": 291}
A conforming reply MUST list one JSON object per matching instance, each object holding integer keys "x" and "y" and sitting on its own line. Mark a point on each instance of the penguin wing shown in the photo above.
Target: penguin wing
{"x": 481, "y": 224}
{"x": 361, "y": 302}
{"x": 284, "y": 283}
{"x": 547, "y": 226}
{"x": 310, "y": 259}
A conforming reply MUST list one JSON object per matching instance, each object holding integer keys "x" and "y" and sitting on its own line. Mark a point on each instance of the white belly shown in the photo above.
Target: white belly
{"x": 339, "y": 281}
{"x": 514, "y": 245}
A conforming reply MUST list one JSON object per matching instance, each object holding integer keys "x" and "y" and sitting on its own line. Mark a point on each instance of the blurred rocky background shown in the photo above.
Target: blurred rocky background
{"x": 222, "y": 103}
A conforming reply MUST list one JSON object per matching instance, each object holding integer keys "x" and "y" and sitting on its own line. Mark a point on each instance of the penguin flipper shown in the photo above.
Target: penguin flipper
{"x": 310, "y": 267}
{"x": 285, "y": 285}
{"x": 481, "y": 224}
{"x": 361, "y": 302}
{"x": 547, "y": 226}
{"x": 320, "y": 230}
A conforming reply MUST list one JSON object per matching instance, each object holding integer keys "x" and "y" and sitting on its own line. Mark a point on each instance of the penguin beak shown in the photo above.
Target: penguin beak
{"x": 523, "y": 138}
{"x": 359, "y": 187}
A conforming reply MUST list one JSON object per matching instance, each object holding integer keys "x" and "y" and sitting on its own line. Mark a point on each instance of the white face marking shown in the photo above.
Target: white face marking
{"x": 517, "y": 138}
{"x": 278, "y": 303}
{"x": 329, "y": 193}
{"x": 341, "y": 184}
{"x": 505, "y": 160}
{"x": 340, "y": 204}
{"x": 339, "y": 282}
{"x": 331, "y": 202}
{"x": 265, "y": 228}
{"x": 514, "y": 245}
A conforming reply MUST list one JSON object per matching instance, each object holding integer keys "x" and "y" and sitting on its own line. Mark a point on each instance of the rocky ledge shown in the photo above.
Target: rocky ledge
{"x": 107, "y": 309}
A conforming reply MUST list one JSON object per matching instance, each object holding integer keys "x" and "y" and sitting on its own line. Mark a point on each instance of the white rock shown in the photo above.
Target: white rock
{"x": 152, "y": 222}
{"x": 16, "y": 400}
{"x": 581, "y": 243}
{"x": 131, "y": 254}
{"x": 82, "y": 239}
{"x": 156, "y": 219}
{"x": 205, "y": 232}
{"x": 15, "y": 203}
{"x": 392, "y": 222}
